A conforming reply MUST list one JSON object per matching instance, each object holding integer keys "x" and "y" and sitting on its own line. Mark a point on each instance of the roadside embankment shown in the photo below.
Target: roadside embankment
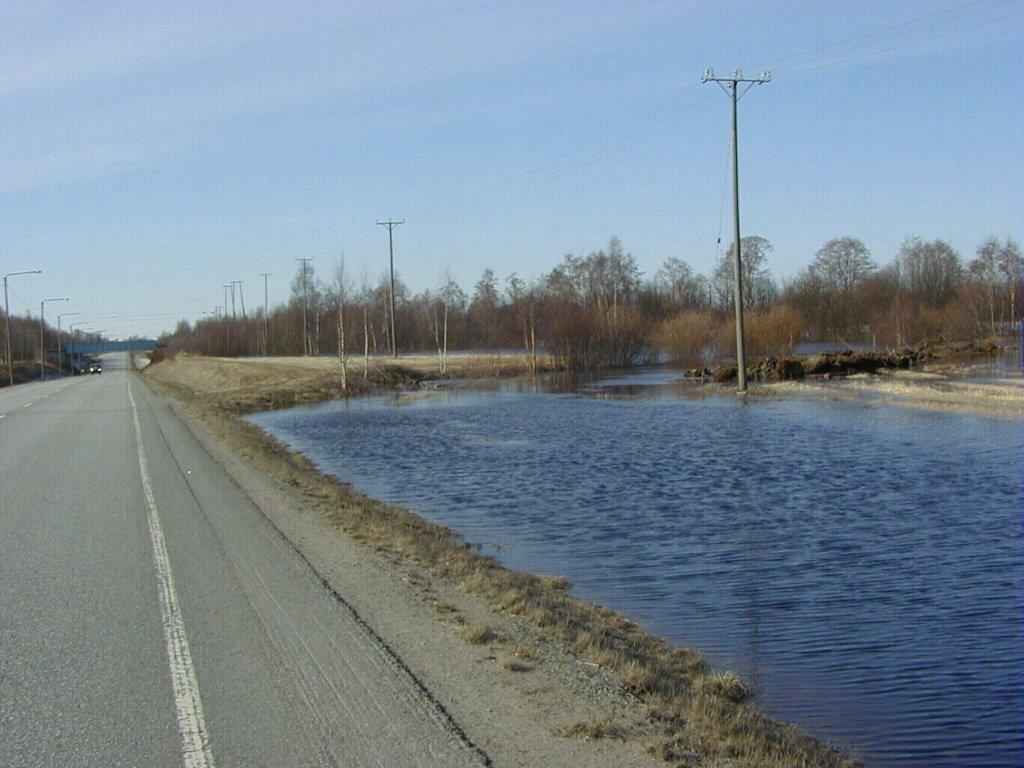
{"x": 568, "y": 682}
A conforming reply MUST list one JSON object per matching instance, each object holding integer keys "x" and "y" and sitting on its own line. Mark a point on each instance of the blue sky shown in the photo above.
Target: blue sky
{"x": 152, "y": 152}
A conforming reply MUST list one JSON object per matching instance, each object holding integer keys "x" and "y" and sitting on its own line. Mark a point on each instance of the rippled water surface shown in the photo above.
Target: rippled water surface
{"x": 860, "y": 564}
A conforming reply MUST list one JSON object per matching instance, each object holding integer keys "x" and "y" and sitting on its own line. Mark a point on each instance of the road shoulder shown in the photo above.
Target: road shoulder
{"x": 514, "y": 691}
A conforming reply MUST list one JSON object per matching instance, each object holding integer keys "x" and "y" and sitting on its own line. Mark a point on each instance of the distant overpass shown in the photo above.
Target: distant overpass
{"x": 99, "y": 347}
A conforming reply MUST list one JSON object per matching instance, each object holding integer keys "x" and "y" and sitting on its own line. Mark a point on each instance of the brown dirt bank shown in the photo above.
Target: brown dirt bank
{"x": 849, "y": 362}
{"x": 569, "y": 682}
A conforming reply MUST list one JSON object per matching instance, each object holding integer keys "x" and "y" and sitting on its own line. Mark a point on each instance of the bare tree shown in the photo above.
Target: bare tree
{"x": 685, "y": 289}
{"x": 930, "y": 271}
{"x": 365, "y": 298}
{"x": 840, "y": 266}
{"x": 758, "y": 288}
{"x": 1011, "y": 267}
{"x": 984, "y": 271}
{"x": 341, "y": 289}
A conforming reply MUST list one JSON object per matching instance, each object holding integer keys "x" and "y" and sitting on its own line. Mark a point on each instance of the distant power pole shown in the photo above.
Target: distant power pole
{"x": 241, "y": 297}
{"x": 305, "y": 322}
{"x": 231, "y": 286}
{"x": 391, "y": 261}
{"x": 731, "y": 87}
{"x": 266, "y": 335}
{"x": 226, "y": 286}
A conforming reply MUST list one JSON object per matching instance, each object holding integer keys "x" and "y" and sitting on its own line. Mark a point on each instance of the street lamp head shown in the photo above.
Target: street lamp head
{"x": 24, "y": 272}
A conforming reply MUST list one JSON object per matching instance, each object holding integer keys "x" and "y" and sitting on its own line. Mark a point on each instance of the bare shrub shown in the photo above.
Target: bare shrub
{"x": 688, "y": 338}
{"x": 772, "y": 332}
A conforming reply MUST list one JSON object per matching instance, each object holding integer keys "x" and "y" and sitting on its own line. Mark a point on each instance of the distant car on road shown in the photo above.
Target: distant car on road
{"x": 95, "y": 368}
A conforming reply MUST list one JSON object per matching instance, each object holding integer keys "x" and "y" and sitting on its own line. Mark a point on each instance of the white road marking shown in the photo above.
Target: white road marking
{"x": 26, "y": 405}
{"x": 195, "y": 738}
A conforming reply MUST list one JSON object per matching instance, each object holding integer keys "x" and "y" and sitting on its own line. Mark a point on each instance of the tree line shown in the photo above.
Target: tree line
{"x": 25, "y": 339}
{"x": 599, "y": 310}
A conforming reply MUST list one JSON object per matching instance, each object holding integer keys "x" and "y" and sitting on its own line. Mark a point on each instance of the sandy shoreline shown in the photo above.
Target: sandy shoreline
{"x": 535, "y": 676}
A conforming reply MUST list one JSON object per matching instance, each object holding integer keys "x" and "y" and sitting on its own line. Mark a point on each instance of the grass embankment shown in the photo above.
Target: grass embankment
{"x": 246, "y": 385}
{"x": 25, "y": 371}
{"x": 700, "y": 718}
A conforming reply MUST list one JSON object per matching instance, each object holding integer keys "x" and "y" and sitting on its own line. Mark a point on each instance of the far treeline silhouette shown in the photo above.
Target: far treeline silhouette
{"x": 599, "y": 311}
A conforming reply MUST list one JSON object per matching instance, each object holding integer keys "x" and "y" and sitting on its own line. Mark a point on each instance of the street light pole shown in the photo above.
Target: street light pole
{"x": 71, "y": 332}
{"x": 42, "y": 346}
{"x": 60, "y": 356}
{"x": 7, "y": 322}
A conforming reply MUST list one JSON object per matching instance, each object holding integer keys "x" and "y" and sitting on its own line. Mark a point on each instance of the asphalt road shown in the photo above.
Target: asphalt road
{"x": 151, "y": 616}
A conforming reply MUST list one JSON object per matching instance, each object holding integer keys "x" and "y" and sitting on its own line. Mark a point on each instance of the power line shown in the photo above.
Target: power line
{"x": 886, "y": 33}
{"x": 523, "y": 181}
{"x": 907, "y": 44}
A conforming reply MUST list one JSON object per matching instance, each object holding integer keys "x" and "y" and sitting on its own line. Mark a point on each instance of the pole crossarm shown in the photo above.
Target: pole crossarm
{"x": 709, "y": 76}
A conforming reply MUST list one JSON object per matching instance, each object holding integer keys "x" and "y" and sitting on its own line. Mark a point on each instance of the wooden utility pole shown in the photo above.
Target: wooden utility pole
{"x": 266, "y": 337}
{"x": 391, "y": 261}
{"x": 305, "y": 322}
{"x": 731, "y": 87}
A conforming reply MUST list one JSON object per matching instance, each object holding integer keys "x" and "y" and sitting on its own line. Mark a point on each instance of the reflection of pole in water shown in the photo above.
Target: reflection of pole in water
{"x": 752, "y": 591}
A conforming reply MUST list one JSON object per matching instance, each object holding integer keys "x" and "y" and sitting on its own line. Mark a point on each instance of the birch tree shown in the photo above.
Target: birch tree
{"x": 341, "y": 289}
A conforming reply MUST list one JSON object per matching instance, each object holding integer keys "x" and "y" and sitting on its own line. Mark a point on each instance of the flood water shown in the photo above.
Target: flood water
{"x": 860, "y": 564}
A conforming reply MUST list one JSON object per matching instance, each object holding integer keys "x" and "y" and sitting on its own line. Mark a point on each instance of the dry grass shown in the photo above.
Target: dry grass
{"x": 594, "y": 728}
{"x": 521, "y": 660}
{"x": 478, "y": 634}
{"x": 702, "y": 714}
{"x": 449, "y": 613}
{"x": 244, "y": 385}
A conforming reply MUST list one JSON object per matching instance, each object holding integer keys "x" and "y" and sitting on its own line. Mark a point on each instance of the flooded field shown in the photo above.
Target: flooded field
{"x": 859, "y": 563}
